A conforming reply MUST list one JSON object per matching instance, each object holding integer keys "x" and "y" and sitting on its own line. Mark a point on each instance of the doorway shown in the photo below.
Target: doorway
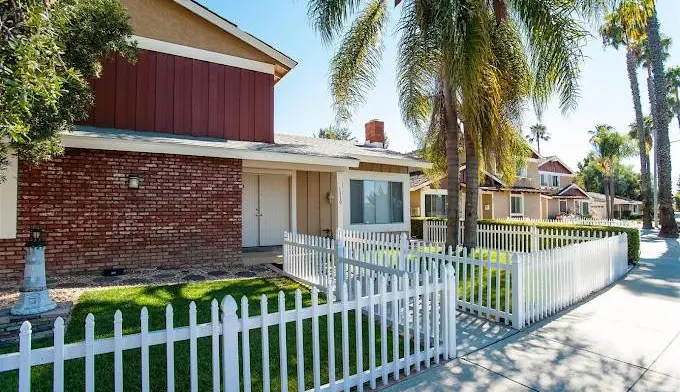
{"x": 265, "y": 209}
{"x": 487, "y": 206}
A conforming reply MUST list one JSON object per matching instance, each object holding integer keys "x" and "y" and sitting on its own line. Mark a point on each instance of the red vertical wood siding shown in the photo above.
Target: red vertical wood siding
{"x": 105, "y": 95}
{"x": 247, "y": 126}
{"x": 200, "y": 91}
{"x": 232, "y": 99}
{"x": 126, "y": 94}
{"x": 165, "y": 93}
{"x": 216, "y": 95}
{"x": 183, "y": 75}
{"x": 145, "y": 111}
{"x": 172, "y": 94}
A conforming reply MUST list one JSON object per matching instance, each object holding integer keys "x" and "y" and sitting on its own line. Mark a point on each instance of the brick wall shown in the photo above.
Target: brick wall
{"x": 187, "y": 211}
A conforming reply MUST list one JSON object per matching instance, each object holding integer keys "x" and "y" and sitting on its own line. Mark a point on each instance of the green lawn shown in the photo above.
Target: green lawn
{"x": 103, "y": 304}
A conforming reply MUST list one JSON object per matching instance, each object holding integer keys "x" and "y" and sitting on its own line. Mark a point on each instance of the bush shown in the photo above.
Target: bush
{"x": 632, "y": 233}
{"x": 417, "y": 226}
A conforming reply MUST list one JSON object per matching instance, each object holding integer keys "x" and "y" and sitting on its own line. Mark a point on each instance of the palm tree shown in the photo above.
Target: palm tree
{"x": 673, "y": 80}
{"x": 609, "y": 147}
{"x": 669, "y": 227}
{"x": 446, "y": 64}
{"x": 623, "y": 27}
{"x": 538, "y": 132}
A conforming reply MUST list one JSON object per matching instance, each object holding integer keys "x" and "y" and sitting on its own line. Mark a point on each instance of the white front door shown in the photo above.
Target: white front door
{"x": 266, "y": 209}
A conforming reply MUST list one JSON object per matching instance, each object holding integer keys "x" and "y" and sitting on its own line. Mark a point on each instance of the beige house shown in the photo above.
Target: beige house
{"x": 543, "y": 189}
{"x": 623, "y": 208}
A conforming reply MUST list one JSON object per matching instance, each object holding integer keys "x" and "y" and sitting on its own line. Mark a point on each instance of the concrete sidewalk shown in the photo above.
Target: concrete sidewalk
{"x": 626, "y": 338}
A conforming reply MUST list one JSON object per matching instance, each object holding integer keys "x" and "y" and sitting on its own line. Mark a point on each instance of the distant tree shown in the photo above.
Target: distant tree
{"x": 609, "y": 147}
{"x": 49, "y": 51}
{"x": 335, "y": 133}
{"x": 673, "y": 81}
{"x": 626, "y": 180}
{"x": 538, "y": 132}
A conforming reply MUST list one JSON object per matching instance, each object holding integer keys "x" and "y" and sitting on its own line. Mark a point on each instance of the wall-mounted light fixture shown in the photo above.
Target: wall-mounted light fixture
{"x": 133, "y": 182}
{"x": 330, "y": 197}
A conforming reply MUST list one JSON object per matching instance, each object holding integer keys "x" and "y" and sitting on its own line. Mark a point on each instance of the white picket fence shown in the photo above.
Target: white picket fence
{"x": 585, "y": 222}
{"x": 512, "y": 238}
{"x": 420, "y": 311}
{"x": 492, "y": 283}
{"x": 553, "y": 279}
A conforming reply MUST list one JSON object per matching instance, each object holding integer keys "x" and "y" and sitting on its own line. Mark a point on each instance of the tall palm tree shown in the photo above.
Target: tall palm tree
{"x": 669, "y": 227}
{"x": 609, "y": 147}
{"x": 626, "y": 27}
{"x": 673, "y": 80}
{"x": 538, "y": 132}
{"x": 445, "y": 56}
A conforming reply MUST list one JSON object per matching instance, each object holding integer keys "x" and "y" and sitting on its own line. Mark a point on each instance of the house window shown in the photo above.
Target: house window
{"x": 516, "y": 205}
{"x": 376, "y": 202}
{"x": 522, "y": 171}
{"x": 563, "y": 206}
{"x": 435, "y": 206}
{"x": 8, "y": 200}
{"x": 585, "y": 208}
{"x": 550, "y": 180}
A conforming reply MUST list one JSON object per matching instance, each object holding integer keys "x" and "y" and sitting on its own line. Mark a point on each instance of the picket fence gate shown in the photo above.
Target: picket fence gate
{"x": 420, "y": 309}
{"x": 516, "y": 288}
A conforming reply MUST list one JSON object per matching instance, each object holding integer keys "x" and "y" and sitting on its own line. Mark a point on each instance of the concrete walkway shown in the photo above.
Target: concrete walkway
{"x": 625, "y": 339}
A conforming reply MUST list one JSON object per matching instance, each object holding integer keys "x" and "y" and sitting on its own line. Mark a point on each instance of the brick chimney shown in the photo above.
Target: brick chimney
{"x": 375, "y": 132}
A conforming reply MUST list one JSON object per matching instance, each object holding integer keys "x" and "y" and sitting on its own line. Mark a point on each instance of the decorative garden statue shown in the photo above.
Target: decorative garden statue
{"x": 33, "y": 295}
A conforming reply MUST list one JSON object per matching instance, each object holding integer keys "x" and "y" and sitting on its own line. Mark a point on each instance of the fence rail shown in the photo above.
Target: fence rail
{"x": 490, "y": 282}
{"x": 417, "y": 313}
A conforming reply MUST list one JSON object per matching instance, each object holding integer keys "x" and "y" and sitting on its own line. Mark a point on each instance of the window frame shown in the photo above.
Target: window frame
{"x": 559, "y": 206}
{"x": 344, "y": 200}
{"x": 523, "y": 171}
{"x": 9, "y": 192}
{"x": 517, "y": 214}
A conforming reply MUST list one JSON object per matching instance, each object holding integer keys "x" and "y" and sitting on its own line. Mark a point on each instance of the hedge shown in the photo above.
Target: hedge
{"x": 632, "y": 233}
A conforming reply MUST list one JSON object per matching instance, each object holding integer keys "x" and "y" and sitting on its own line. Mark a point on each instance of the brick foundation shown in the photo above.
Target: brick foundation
{"x": 187, "y": 211}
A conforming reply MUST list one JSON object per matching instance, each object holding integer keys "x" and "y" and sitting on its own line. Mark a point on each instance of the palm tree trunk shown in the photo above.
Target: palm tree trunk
{"x": 652, "y": 109}
{"x": 607, "y": 205}
{"x": 612, "y": 194}
{"x": 538, "y": 144}
{"x": 669, "y": 227}
{"x": 452, "y": 166}
{"x": 645, "y": 182}
{"x": 471, "y": 192}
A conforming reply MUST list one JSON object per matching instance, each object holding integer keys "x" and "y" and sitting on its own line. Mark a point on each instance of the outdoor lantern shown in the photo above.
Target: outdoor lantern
{"x": 33, "y": 295}
{"x": 330, "y": 197}
{"x": 133, "y": 182}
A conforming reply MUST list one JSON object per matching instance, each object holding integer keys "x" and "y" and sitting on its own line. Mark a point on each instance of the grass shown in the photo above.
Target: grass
{"x": 103, "y": 304}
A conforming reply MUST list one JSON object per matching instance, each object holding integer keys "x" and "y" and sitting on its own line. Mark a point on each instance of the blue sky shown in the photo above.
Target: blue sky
{"x": 303, "y": 103}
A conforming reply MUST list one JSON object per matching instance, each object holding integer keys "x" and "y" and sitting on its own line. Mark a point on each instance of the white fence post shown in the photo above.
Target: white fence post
{"x": 25, "y": 357}
{"x": 534, "y": 239}
{"x": 403, "y": 252}
{"x": 517, "y": 292}
{"x": 426, "y": 230}
{"x": 451, "y": 302}
{"x": 339, "y": 266}
{"x": 229, "y": 344}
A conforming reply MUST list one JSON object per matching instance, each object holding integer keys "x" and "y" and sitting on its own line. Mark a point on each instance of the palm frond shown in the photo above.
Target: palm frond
{"x": 555, "y": 39}
{"x": 328, "y": 17}
{"x": 355, "y": 64}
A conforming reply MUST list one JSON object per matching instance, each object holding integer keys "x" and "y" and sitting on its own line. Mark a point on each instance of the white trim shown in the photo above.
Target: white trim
{"x": 265, "y": 165}
{"x": 292, "y": 176}
{"x": 344, "y": 202}
{"x": 235, "y": 31}
{"x": 201, "y": 54}
{"x": 516, "y": 215}
{"x": 556, "y": 174}
{"x": 8, "y": 199}
{"x": 178, "y": 146}
{"x": 392, "y": 161}
{"x": 573, "y": 184}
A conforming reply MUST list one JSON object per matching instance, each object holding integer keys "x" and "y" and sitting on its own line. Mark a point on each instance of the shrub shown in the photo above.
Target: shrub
{"x": 417, "y": 225}
{"x": 632, "y": 233}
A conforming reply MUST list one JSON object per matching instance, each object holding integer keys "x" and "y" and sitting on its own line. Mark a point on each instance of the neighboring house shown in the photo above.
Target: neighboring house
{"x": 623, "y": 208}
{"x": 543, "y": 189}
{"x": 178, "y": 163}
